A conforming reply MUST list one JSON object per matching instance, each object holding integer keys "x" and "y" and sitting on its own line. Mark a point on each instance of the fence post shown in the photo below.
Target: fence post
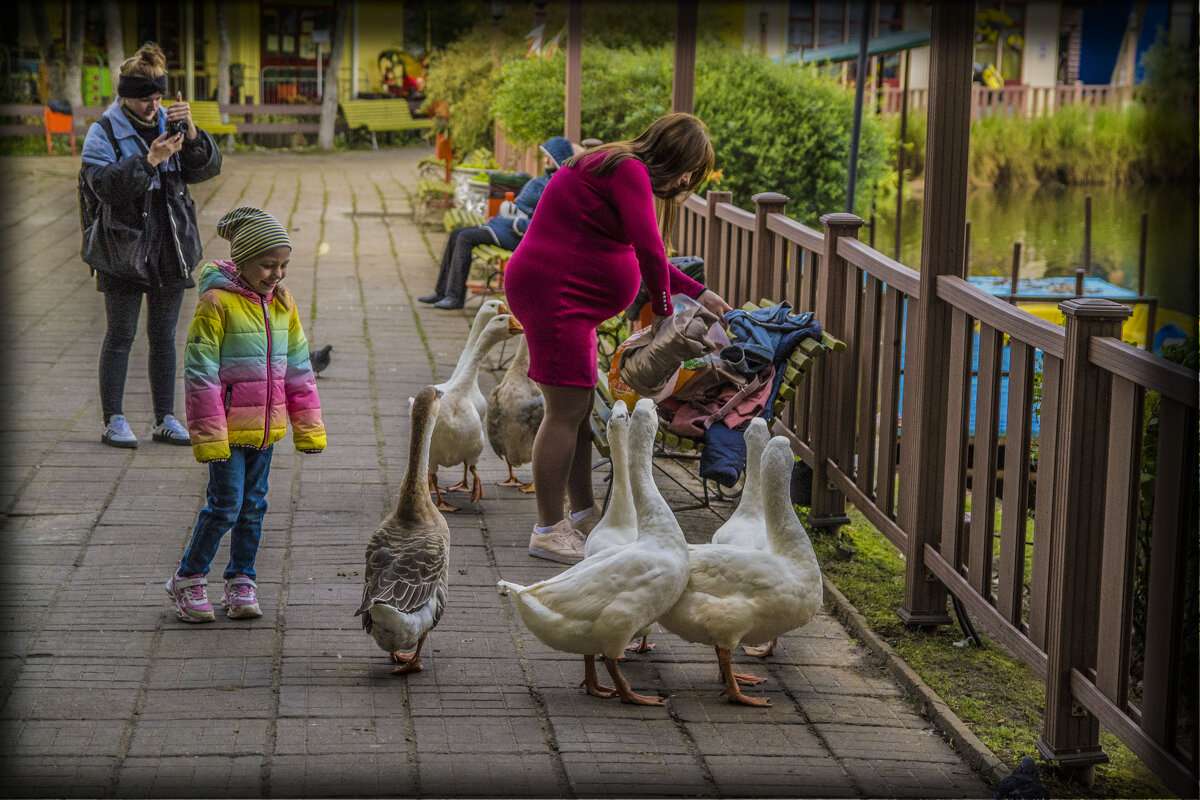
{"x": 763, "y": 280}
{"x": 713, "y": 269}
{"x": 1070, "y": 735}
{"x": 828, "y": 511}
{"x": 926, "y": 359}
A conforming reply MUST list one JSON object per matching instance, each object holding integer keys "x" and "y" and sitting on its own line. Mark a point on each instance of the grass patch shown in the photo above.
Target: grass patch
{"x": 995, "y": 694}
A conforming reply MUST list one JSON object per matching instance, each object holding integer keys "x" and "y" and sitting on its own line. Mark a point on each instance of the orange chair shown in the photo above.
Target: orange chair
{"x": 59, "y": 123}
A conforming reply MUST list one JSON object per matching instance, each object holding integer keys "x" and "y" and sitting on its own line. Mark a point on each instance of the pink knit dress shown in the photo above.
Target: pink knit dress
{"x": 589, "y": 246}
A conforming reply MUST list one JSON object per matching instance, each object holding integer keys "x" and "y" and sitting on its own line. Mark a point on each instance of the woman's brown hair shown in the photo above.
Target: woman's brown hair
{"x": 671, "y": 147}
{"x": 148, "y": 62}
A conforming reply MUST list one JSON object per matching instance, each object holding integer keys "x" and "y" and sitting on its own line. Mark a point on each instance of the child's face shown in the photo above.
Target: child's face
{"x": 267, "y": 269}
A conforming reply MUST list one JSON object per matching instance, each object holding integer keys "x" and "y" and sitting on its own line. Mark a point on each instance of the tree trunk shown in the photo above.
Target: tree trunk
{"x": 329, "y": 104}
{"x": 51, "y": 52}
{"x": 223, "y": 54}
{"x": 74, "y": 64}
{"x": 113, "y": 40}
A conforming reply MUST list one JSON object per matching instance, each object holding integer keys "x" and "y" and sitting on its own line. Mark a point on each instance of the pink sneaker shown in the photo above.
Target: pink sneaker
{"x": 190, "y": 597}
{"x": 241, "y": 598}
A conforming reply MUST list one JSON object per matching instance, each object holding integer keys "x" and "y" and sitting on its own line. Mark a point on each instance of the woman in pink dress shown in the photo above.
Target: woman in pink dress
{"x": 593, "y": 241}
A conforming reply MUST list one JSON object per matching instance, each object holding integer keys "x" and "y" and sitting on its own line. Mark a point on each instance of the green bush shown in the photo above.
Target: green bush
{"x": 775, "y": 127}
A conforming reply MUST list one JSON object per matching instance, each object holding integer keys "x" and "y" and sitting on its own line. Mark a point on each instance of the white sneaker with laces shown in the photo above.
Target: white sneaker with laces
{"x": 117, "y": 433}
{"x": 171, "y": 431}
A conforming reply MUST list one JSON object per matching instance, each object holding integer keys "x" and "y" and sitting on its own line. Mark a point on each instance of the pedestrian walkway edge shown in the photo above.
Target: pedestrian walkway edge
{"x": 932, "y": 707}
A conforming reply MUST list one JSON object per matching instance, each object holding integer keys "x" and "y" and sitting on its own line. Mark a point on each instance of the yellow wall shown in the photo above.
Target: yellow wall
{"x": 380, "y": 27}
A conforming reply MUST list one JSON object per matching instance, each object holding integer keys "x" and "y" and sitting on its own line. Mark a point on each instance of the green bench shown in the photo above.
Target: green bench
{"x": 382, "y": 116}
{"x": 672, "y": 445}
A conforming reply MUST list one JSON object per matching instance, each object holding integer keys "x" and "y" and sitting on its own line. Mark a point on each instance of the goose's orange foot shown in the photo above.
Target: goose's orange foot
{"x": 411, "y": 666}
{"x": 512, "y": 479}
{"x": 732, "y": 680}
{"x": 592, "y": 683}
{"x": 461, "y": 486}
{"x": 442, "y": 505}
{"x": 746, "y": 700}
{"x": 410, "y": 662}
{"x": 402, "y": 658}
{"x": 640, "y": 646}
{"x": 476, "y": 487}
{"x": 527, "y": 488}
{"x": 627, "y": 694}
{"x": 761, "y": 651}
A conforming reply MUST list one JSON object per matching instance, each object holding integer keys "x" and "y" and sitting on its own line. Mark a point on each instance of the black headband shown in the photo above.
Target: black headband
{"x": 135, "y": 87}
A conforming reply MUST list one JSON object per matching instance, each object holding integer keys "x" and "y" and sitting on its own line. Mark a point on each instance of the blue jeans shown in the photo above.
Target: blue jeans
{"x": 237, "y": 500}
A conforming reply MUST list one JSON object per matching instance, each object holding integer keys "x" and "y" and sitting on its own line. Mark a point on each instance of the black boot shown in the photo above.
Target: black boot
{"x": 450, "y": 303}
{"x": 430, "y": 298}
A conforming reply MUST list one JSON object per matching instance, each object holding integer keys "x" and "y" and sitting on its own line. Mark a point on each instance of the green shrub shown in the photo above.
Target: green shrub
{"x": 775, "y": 127}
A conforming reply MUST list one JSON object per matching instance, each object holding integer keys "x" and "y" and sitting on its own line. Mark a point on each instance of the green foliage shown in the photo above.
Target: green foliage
{"x": 765, "y": 119}
{"x": 1169, "y": 97}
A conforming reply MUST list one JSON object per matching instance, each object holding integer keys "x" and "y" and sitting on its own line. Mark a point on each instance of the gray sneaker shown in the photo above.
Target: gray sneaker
{"x": 171, "y": 431}
{"x": 562, "y": 543}
{"x": 117, "y": 433}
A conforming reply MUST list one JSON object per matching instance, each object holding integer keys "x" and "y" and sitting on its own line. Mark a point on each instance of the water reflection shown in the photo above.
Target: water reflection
{"x": 1049, "y": 222}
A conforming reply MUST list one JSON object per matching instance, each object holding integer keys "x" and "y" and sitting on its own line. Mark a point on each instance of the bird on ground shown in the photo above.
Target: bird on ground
{"x": 458, "y": 432}
{"x": 487, "y": 311}
{"x": 597, "y": 605}
{"x": 746, "y": 526}
{"x": 514, "y": 413}
{"x": 1023, "y": 784}
{"x": 320, "y": 358}
{"x": 618, "y": 527}
{"x": 408, "y": 555}
{"x": 741, "y": 594}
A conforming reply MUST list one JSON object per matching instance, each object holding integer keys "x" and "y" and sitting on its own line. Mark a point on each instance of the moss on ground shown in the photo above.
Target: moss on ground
{"x": 994, "y": 693}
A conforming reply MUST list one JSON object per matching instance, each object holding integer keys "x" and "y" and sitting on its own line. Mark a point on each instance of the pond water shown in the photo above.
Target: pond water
{"x": 1049, "y": 223}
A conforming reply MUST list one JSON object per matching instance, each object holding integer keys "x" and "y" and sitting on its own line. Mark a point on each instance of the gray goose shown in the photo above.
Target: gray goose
{"x": 408, "y": 555}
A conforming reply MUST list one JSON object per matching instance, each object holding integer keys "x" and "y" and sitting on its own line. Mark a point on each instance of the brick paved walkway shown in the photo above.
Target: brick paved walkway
{"x": 98, "y": 675}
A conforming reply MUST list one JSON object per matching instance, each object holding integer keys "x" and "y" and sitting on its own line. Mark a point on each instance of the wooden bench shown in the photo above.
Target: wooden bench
{"x": 382, "y": 116}
{"x": 667, "y": 443}
{"x": 207, "y": 114}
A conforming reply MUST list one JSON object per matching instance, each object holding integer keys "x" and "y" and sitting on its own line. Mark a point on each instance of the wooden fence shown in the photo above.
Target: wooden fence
{"x": 250, "y": 119}
{"x": 1024, "y": 101}
{"x": 1048, "y": 565}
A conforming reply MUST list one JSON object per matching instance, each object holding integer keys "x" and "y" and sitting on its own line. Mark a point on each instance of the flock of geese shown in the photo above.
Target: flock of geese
{"x": 755, "y": 581}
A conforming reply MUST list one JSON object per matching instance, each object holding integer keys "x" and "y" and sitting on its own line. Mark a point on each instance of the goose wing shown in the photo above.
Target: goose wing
{"x": 404, "y": 573}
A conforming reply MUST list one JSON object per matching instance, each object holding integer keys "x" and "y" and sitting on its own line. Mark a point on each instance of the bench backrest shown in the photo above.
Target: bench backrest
{"x": 382, "y": 115}
{"x": 206, "y": 114}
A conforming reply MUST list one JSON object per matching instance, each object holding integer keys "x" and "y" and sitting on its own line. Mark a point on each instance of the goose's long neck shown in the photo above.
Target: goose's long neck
{"x": 414, "y": 501}
{"x": 621, "y": 511}
{"x": 467, "y": 373}
{"x": 654, "y": 517}
{"x": 752, "y": 489}
{"x": 786, "y": 534}
{"x": 477, "y": 326}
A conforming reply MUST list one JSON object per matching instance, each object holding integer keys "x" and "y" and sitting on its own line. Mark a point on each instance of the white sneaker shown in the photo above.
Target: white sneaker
{"x": 562, "y": 543}
{"x": 117, "y": 433}
{"x": 171, "y": 431}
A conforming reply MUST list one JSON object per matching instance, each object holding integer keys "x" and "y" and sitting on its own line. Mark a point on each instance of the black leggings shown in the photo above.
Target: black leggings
{"x": 162, "y": 307}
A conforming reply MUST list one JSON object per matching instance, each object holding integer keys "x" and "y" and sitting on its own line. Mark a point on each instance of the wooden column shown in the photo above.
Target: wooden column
{"x": 1070, "y": 735}
{"x": 828, "y": 511}
{"x": 923, "y": 446}
{"x": 712, "y": 240}
{"x": 683, "y": 84}
{"x": 762, "y": 282}
{"x": 574, "y": 94}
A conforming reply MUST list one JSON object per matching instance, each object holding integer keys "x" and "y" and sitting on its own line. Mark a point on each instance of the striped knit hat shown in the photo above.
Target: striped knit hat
{"x": 251, "y": 232}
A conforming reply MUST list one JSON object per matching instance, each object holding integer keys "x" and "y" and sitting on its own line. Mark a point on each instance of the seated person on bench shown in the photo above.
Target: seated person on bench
{"x": 505, "y": 230}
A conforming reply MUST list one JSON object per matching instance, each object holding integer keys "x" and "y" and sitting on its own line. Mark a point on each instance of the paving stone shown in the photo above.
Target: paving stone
{"x": 108, "y": 694}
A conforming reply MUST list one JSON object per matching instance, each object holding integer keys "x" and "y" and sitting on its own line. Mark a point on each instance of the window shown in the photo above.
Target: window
{"x": 287, "y": 34}
{"x": 800, "y": 25}
{"x": 1000, "y": 39}
{"x": 831, "y": 22}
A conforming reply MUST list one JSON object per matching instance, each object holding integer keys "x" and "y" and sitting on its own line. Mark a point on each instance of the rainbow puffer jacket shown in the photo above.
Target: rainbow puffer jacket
{"x": 246, "y": 369}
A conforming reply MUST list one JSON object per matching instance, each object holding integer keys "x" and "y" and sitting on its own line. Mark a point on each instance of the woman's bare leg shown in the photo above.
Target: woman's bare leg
{"x": 562, "y": 452}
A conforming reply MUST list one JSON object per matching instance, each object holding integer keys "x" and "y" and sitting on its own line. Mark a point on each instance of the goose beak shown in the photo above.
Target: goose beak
{"x": 504, "y": 308}
{"x": 514, "y": 327}
{"x": 439, "y": 393}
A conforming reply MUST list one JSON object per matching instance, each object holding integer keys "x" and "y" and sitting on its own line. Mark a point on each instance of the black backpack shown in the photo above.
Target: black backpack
{"x": 89, "y": 203}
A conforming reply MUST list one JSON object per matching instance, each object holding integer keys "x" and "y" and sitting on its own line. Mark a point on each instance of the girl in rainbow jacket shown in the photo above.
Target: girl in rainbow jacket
{"x": 247, "y": 373}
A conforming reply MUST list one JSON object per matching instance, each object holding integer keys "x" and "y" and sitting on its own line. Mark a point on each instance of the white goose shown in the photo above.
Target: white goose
{"x": 487, "y": 311}
{"x": 739, "y": 594}
{"x": 597, "y": 605}
{"x": 458, "y": 433}
{"x": 408, "y": 555}
{"x": 514, "y": 413}
{"x": 619, "y": 526}
{"x": 747, "y": 527}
